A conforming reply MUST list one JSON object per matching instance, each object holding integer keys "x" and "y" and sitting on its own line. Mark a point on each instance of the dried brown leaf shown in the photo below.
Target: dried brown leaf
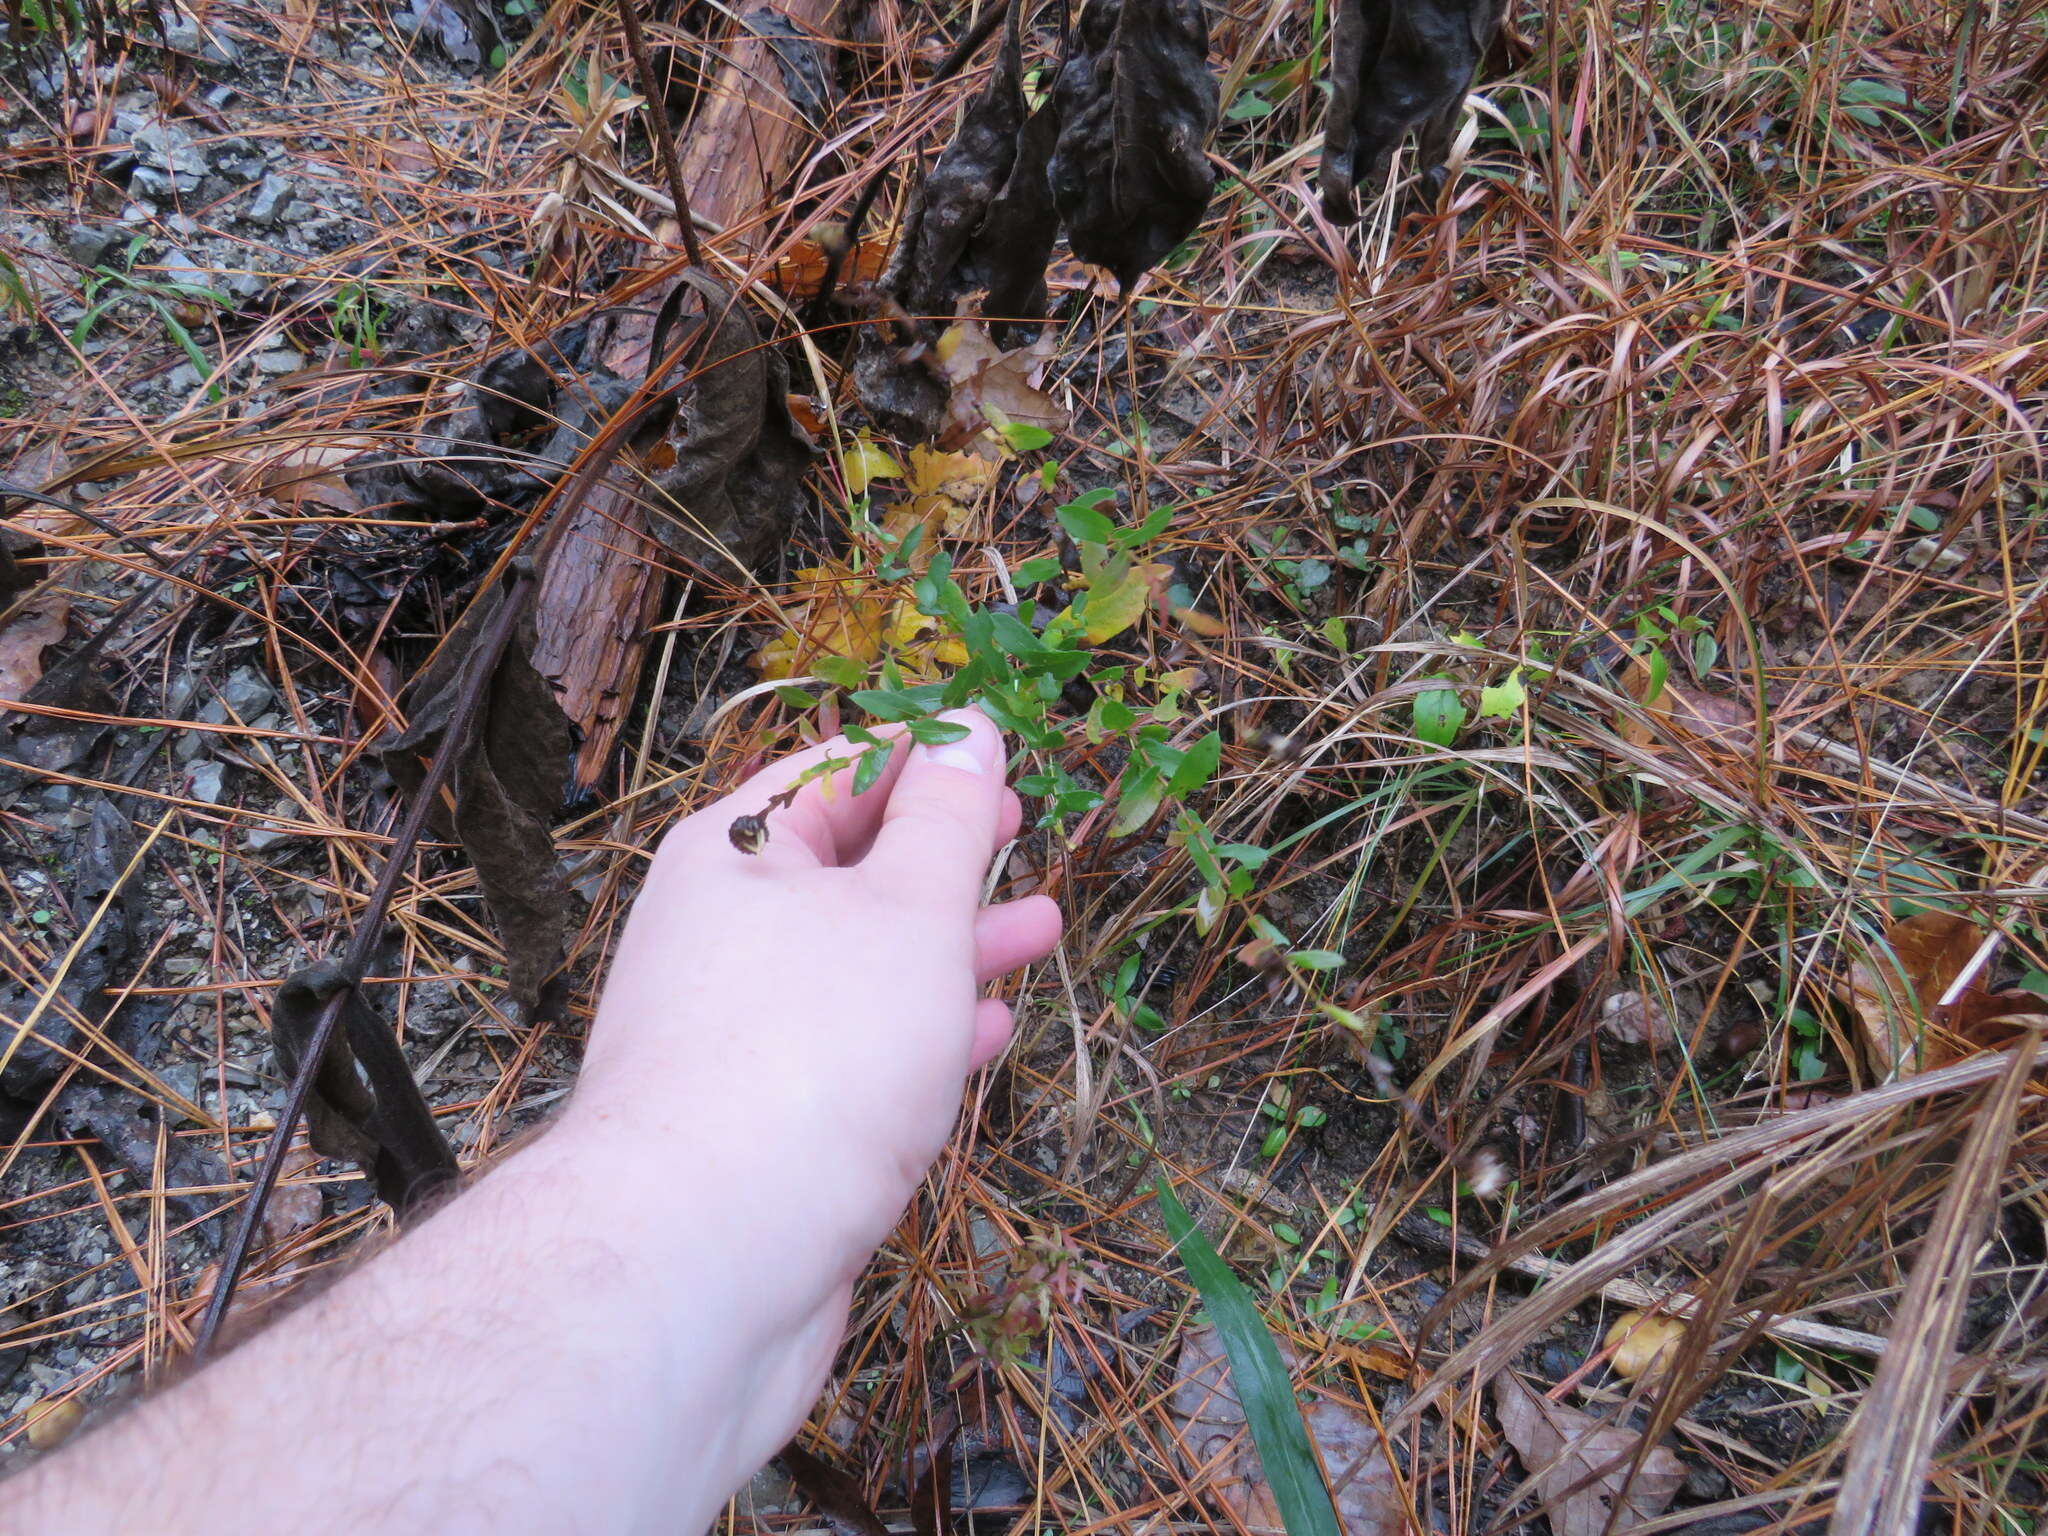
{"x": 507, "y": 784}
{"x": 295, "y": 1204}
{"x": 1130, "y": 173}
{"x": 1585, "y": 1468}
{"x": 990, "y": 386}
{"x": 1893, "y": 1005}
{"x": 1217, "y": 1446}
{"x": 24, "y": 638}
{"x": 731, "y": 463}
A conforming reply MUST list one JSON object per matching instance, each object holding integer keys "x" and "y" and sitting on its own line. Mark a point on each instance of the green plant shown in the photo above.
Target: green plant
{"x": 1279, "y": 1109}
{"x": 1257, "y": 1375}
{"x": 359, "y": 314}
{"x": 109, "y": 286}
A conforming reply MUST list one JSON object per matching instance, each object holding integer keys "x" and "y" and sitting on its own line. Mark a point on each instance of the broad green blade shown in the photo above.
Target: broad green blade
{"x": 1258, "y": 1377}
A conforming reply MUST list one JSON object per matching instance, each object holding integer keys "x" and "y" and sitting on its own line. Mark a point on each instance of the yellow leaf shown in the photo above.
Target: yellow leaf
{"x": 865, "y": 464}
{"x": 1114, "y": 606}
{"x": 906, "y": 624}
{"x": 962, "y": 476}
{"x": 836, "y": 614}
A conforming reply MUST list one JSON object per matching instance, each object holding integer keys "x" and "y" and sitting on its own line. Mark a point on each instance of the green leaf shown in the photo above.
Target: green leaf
{"x": 900, "y": 703}
{"x": 1031, "y": 572}
{"x": 936, "y": 733}
{"x": 1085, "y": 525}
{"x": 796, "y": 698}
{"x": 1023, "y": 437}
{"x": 1660, "y": 669}
{"x": 1154, "y": 525}
{"x": 1196, "y": 765}
{"x": 1259, "y": 1378}
{"x": 1316, "y": 959}
{"x": 872, "y": 762}
{"x": 1438, "y": 714}
{"x": 1504, "y": 700}
{"x": 1137, "y": 800}
{"x": 840, "y": 671}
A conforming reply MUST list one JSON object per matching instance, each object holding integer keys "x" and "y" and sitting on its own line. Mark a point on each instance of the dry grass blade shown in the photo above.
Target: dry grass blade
{"x": 1884, "y": 1477}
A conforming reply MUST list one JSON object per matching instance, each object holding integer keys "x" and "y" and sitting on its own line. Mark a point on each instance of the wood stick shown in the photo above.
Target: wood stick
{"x": 601, "y": 591}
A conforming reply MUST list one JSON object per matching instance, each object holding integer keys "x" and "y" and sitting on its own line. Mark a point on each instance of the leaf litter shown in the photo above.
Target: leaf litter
{"x": 509, "y": 778}
{"x": 1593, "y": 1478}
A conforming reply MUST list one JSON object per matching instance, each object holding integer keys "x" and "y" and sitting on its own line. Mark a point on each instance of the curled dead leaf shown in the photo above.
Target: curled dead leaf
{"x": 508, "y": 783}
{"x": 376, "y": 1120}
{"x": 1393, "y": 68}
{"x": 1585, "y": 1470}
{"x": 1216, "y": 1445}
{"x": 1899, "y": 1010}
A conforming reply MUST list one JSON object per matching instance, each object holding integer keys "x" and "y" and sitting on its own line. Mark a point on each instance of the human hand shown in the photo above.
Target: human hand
{"x": 808, "y": 1013}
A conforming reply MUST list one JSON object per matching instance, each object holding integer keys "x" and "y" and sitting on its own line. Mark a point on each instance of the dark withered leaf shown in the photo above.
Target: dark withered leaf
{"x": 485, "y": 453}
{"x": 950, "y": 205}
{"x": 1137, "y": 103}
{"x": 732, "y": 493}
{"x": 99, "y": 860}
{"x": 372, "y": 1114}
{"x": 837, "y": 1494}
{"x": 33, "y": 746}
{"x": 1009, "y": 252}
{"x": 508, "y": 781}
{"x": 464, "y": 30}
{"x": 899, "y": 386}
{"x": 1396, "y": 66}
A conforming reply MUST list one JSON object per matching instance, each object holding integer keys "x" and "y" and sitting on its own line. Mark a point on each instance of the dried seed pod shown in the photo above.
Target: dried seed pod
{"x": 748, "y": 833}
{"x": 1137, "y": 104}
{"x": 1398, "y": 65}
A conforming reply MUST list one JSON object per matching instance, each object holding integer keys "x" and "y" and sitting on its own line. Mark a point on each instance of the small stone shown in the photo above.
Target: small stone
{"x": 177, "y": 266}
{"x": 89, "y": 245}
{"x": 247, "y": 693}
{"x": 271, "y": 204}
{"x": 183, "y": 379}
{"x": 208, "y": 779}
{"x": 179, "y": 30}
{"x": 281, "y": 360}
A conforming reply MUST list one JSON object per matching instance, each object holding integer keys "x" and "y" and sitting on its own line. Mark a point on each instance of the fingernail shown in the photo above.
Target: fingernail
{"x": 977, "y": 752}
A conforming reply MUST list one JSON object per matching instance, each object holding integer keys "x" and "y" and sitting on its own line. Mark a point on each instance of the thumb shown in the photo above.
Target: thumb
{"x": 939, "y": 827}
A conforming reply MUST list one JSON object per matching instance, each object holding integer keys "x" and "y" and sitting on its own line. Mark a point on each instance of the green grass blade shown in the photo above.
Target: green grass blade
{"x": 1258, "y": 1377}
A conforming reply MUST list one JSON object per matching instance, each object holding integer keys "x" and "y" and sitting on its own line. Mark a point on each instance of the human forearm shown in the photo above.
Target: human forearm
{"x": 558, "y": 1350}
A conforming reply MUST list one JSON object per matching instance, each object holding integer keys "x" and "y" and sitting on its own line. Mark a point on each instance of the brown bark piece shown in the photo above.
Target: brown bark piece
{"x": 601, "y": 591}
